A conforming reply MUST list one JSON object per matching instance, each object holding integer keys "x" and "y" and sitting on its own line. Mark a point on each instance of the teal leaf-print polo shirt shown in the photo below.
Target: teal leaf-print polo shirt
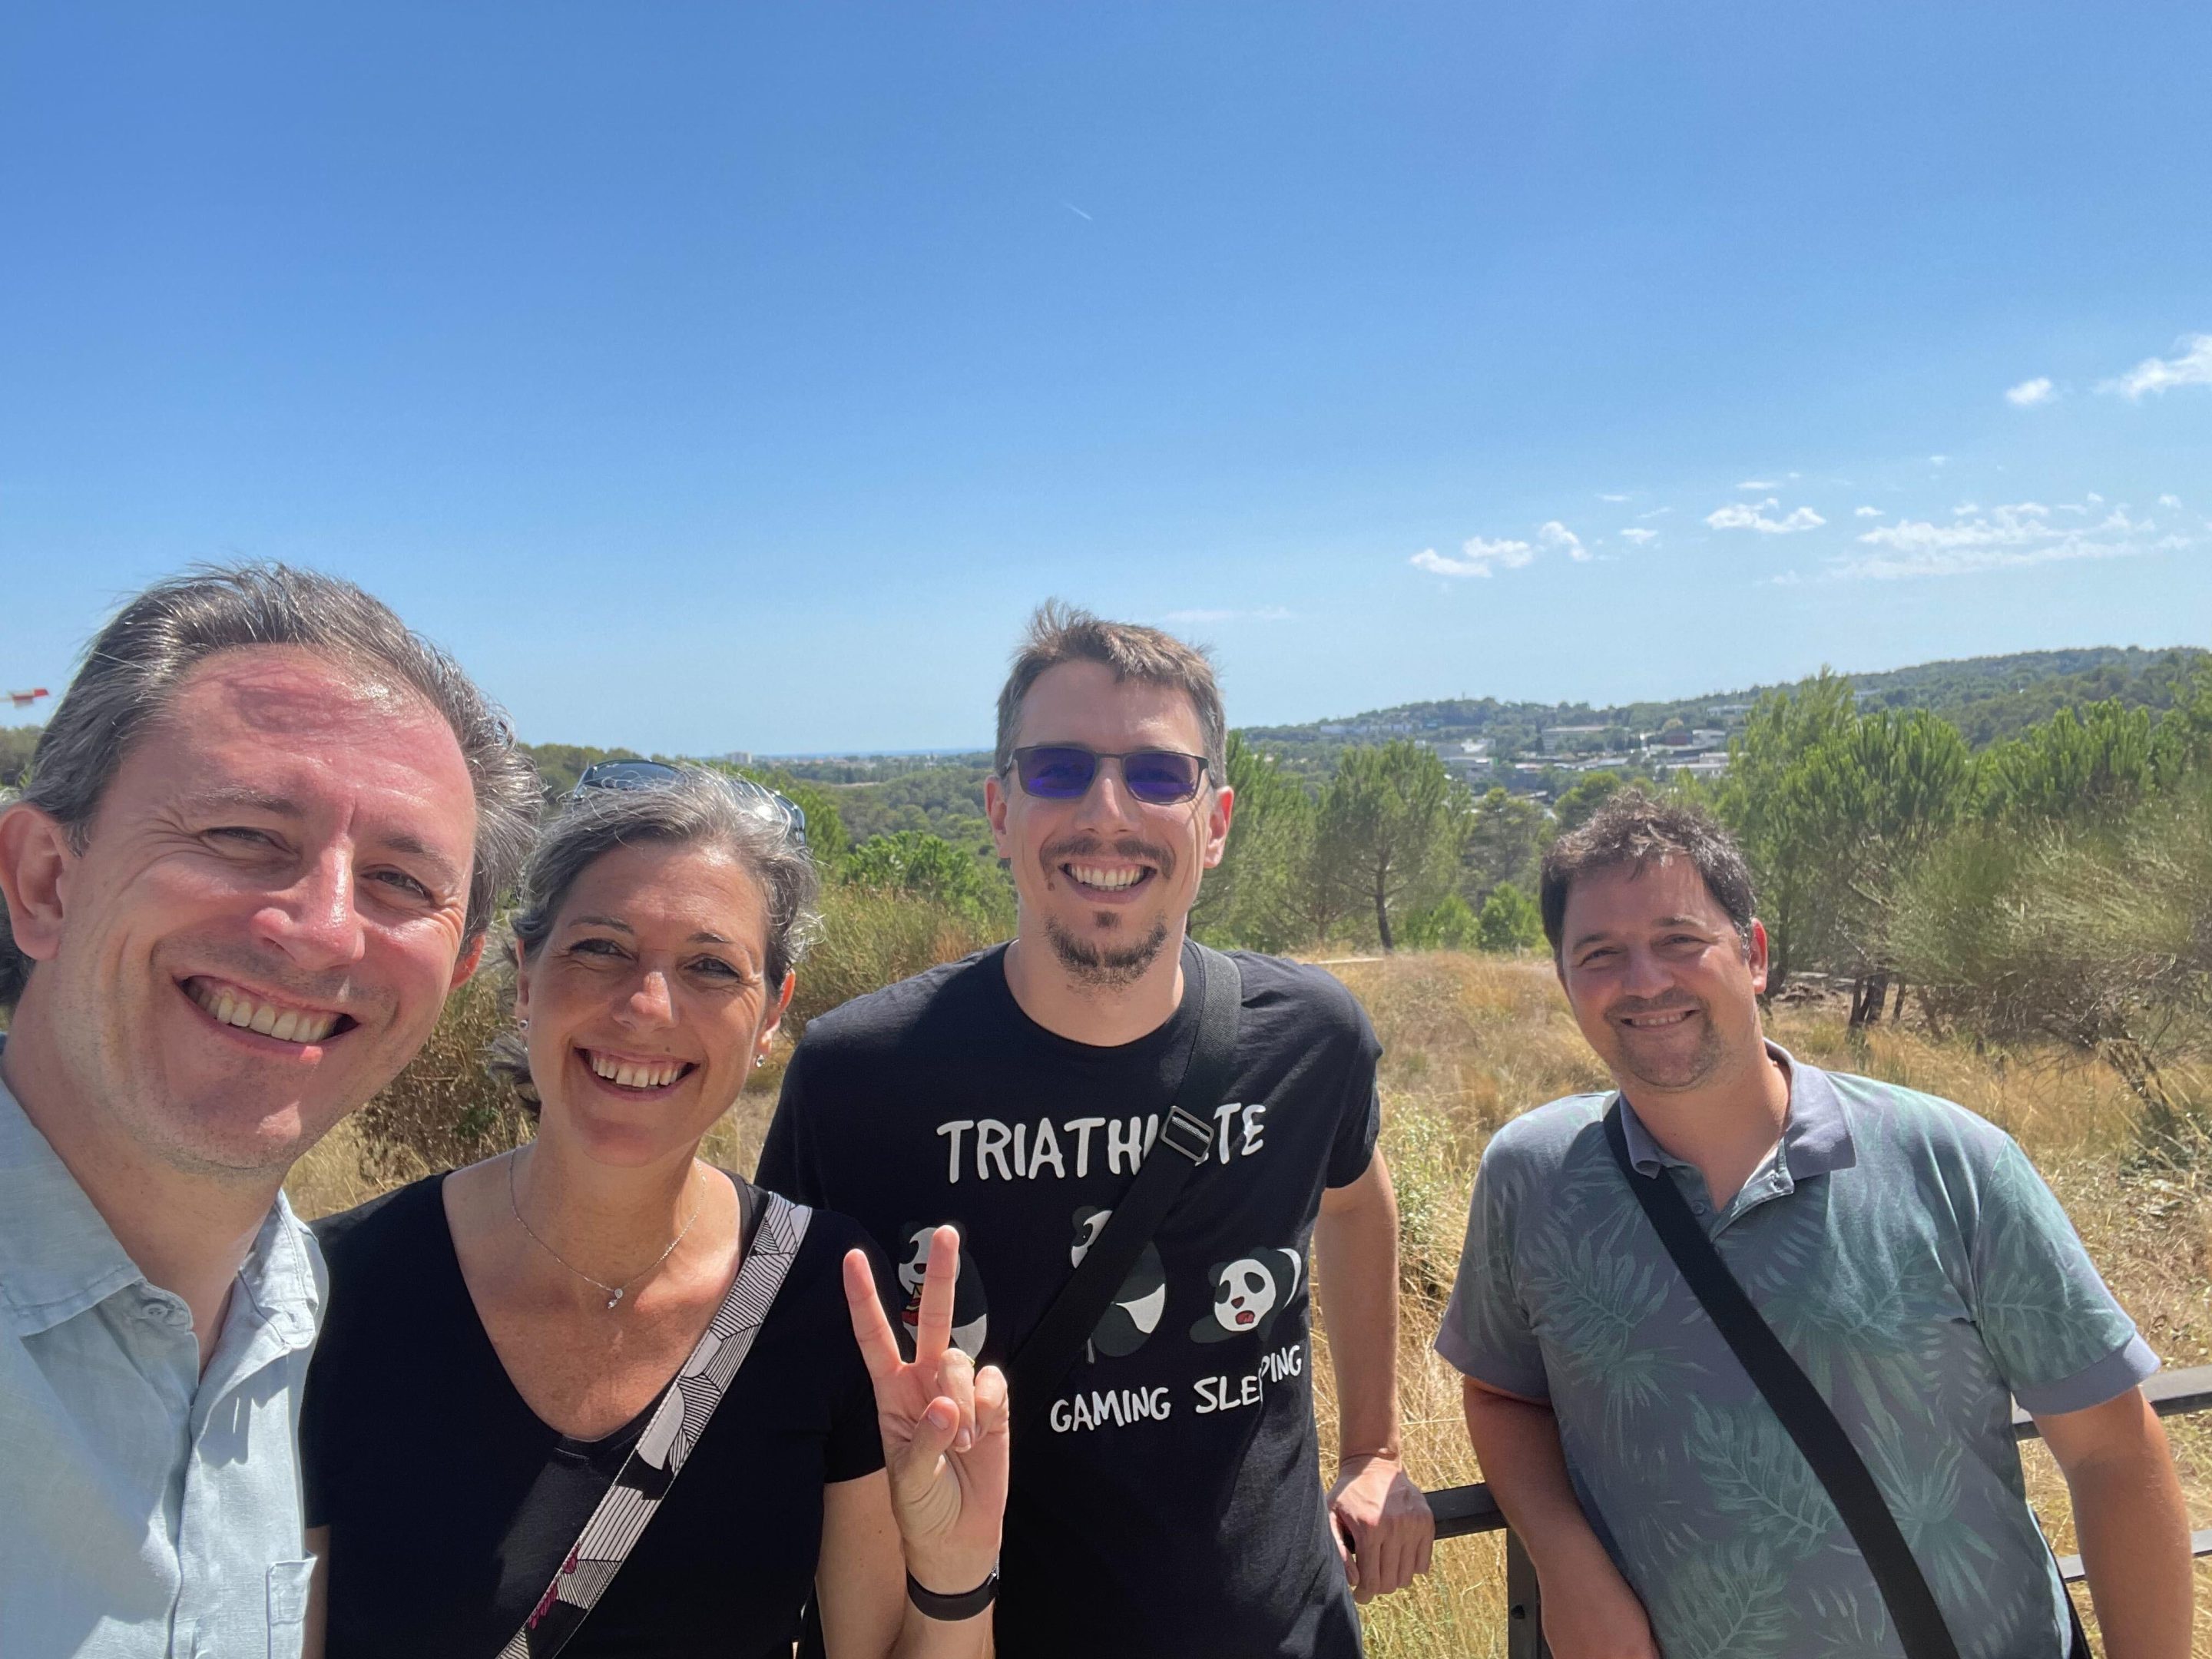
{"x": 1913, "y": 1263}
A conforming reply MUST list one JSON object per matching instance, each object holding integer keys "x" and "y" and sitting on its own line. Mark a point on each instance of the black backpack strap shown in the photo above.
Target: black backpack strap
{"x": 1798, "y": 1403}
{"x": 1034, "y": 1374}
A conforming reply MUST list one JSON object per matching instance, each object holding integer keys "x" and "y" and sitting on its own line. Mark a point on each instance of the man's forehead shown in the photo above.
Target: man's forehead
{"x": 1650, "y": 892}
{"x": 292, "y": 723}
{"x": 286, "y": 689}
{"x": 1083, "y": 702}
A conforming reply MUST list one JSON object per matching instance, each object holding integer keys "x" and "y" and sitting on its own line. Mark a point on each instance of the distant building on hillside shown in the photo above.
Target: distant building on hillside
{"x": 1558, "y": 739}
{"x": 1464, "y": 756}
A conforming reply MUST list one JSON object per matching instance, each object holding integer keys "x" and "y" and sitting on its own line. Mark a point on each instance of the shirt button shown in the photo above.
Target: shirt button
{"x": 1699, "y": 1207}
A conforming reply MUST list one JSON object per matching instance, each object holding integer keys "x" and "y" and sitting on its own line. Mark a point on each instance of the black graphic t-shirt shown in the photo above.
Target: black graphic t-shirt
{"x": 1169, "y": 1502}
{"x": 451, "y": 1503}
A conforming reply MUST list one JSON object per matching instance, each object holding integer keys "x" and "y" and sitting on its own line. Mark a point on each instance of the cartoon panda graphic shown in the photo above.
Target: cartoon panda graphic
{"x": 1137, "y": 1306}
{"x": 1248, "y": 1294}
{"x": 970, "y": 1318}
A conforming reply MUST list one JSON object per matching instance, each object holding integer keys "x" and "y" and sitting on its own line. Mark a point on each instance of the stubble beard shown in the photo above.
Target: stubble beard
{"x": 1673, "y": 1073}
{"x": 1105, "y": 966}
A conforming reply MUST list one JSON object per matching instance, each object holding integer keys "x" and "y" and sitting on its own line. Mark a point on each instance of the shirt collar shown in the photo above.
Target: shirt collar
{"x": 1815, "y": 1141}
{"x": 59, "y": 1256}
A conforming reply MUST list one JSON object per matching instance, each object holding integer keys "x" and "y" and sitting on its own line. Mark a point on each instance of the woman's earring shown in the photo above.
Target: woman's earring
{"x": 522, "y": 1025}
{"x": 759, "y": 1061}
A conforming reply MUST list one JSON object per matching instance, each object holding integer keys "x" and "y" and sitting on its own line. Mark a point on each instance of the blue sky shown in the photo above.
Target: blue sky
{"x": 714, "y": 376}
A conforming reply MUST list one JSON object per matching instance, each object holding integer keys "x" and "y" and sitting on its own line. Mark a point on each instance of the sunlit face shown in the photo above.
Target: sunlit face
{"x": 267, "y": 916}
{"x": 648, "y": 1001}
{"x": 1662, "y": 986}
{"x": 1106, "y": 879}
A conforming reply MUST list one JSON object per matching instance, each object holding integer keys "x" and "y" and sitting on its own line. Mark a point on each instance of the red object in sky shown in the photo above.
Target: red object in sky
{"x": 25, "y": 699}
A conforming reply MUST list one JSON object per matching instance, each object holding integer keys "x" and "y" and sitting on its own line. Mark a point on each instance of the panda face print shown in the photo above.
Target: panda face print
{"x": 970, "y": 1317}
{"x": 1241, "y": 1295}
{"x": 1248, "y": 1295}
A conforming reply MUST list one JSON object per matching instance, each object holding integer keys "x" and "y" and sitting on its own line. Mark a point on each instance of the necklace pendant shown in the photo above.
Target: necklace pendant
{"x": 616, "y": 1296}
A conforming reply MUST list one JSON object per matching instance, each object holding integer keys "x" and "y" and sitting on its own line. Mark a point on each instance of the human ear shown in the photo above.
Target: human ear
{"x": 1754, "y": 955}
{"x": 471, "y": 959}
{"x": 35, "y": 861}
{"x": 521, "y": 982}
{"x": 995, "y": 806}
{"x": 774, "y": 1021}
{"x": 1216, "y": 826}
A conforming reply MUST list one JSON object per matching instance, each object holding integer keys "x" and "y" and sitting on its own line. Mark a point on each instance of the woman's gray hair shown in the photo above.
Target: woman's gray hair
{"x": 132, "y": 669}
{"x": 697, "y": 807}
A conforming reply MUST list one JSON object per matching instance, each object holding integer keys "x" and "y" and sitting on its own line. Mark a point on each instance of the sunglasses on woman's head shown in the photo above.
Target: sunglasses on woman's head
{"x": 654, "y": 774}
{"x": 1065, "y": 771}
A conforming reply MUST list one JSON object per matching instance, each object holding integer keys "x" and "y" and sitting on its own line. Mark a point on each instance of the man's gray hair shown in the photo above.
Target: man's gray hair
{"x": 133, "y": 667}
{"x": 698, "y": 807}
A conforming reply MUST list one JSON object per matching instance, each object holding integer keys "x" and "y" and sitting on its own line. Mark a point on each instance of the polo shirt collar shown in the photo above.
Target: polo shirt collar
{"x": 59, "y": 1256}
{"x": 1816, "y": 1139}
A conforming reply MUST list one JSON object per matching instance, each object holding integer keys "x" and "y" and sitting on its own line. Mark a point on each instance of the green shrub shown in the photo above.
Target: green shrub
{"x": 1446, "y": 925}
{"x": 1510, "y": 921}
{"x": 921, "y": 865}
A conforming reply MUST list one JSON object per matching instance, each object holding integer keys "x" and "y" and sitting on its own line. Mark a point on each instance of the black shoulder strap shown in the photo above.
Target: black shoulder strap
{"x": 1035, "y": 1374}
{"x": 1804, "y": 1414}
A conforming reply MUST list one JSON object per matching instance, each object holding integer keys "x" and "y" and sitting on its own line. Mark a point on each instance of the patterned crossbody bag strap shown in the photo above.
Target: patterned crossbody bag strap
{"x": 668, "y": 1436}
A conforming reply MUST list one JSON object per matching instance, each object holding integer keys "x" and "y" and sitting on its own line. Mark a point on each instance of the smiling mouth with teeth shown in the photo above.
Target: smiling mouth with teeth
{"x": 1103, "y": 880}
{"x": 1658, "y": 1020}
{"x": 229, "y": 1005}
{"x": 639, "y": 1074}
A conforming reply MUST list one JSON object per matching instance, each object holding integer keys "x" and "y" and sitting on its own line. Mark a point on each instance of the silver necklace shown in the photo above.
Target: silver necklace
{"x": 615, "y": 1292}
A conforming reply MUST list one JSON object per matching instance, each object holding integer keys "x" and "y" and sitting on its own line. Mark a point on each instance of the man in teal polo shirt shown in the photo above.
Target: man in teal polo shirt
{"x": 1905, "y": 1252}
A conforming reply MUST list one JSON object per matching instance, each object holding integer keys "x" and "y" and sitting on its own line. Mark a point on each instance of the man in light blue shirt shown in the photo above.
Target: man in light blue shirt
{"x": 1905, "y": 1253}
{"x": 260, "y": 843}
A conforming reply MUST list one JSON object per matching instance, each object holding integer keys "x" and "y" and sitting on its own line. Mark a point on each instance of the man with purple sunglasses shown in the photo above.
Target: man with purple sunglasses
{"x": 1165, "y": 1501}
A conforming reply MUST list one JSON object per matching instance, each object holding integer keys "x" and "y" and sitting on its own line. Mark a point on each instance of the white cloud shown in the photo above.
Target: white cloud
{"x": 2005, "y": 537}
{"x": 1477, "y": 557}
{"x": 1613, "y": 498}
{"x": 1939, "y": 460}
{"x": 1656, "y": 513}
{"x": 1760, "y": 483}
{"x": 1964, "y": 509}
{"x": 2028, "y": 393}
{"x": 1740, "y": 515}
{"x": 2094, "y": 499}
{"x": 1557, "y": 536}
{"x": 1866, "y": 512}
{"x": 2173, "y": 502}
{"x": 2190, "y": 366}
{"x": 1639, "y": 535}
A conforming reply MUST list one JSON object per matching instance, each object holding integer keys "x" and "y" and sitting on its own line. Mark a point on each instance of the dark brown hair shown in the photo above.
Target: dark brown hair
{"x": 1633, "y": 829}
{"x": 1062, "y": 632}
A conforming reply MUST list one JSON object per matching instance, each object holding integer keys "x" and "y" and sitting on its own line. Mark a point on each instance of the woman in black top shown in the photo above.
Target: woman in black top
{"x": 521, "y": 1357}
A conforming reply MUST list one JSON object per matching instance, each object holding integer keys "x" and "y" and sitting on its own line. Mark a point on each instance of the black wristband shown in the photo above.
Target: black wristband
{"x": 952, "y": 1608}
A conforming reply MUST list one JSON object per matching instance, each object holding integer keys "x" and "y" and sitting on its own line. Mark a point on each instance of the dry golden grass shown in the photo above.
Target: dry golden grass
{"x": 1469, "y": 1042}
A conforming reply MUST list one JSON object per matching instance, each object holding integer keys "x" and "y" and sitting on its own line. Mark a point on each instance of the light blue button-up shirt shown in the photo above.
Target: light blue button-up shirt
{"x": 145, "y": 1508}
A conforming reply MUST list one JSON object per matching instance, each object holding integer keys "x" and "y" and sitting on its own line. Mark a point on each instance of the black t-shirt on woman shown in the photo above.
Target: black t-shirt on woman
{"x": 1167, "y": 1501}
{"x": 451, "y": 1503}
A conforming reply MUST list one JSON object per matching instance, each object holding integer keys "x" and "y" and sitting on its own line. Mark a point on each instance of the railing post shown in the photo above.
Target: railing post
{"x": 1524, "y": 1604}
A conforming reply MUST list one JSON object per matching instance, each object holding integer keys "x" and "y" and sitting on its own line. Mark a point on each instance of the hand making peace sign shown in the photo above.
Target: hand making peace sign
{"x": 944, "y": 1425}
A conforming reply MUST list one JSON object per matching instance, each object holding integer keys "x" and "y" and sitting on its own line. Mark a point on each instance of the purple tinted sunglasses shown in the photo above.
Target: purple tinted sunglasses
{"x": 1065, "y": 771}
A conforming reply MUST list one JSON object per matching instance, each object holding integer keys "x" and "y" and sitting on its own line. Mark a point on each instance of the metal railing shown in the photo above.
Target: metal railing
{"x": 1463, "y": 1511}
